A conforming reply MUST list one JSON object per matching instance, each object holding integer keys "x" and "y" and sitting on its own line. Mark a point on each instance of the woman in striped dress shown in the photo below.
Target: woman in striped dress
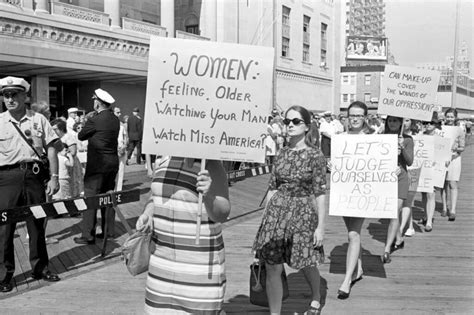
{"x": 185, "y": 278}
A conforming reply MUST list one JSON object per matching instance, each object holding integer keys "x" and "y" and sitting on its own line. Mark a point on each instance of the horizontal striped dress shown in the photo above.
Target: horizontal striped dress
{"x": 183, "y": 278}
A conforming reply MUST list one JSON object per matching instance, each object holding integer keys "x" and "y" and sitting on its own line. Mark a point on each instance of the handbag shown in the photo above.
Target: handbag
{"x": 136, "y": 251}
{"x": 42, "y": 168}
{"x": 258, "y": 277}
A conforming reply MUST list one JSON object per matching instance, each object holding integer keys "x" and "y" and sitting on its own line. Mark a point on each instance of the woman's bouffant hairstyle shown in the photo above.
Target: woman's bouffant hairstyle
{"x": 306, "y": 116}
{"x": 61, "y": 124}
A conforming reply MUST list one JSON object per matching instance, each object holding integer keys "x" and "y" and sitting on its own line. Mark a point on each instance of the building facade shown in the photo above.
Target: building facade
{"x": 66, "y": 49}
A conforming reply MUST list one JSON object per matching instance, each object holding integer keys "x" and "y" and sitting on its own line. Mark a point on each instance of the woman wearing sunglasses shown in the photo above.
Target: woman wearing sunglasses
{"x": 357, "y": 124}
{"x": 292, "y": 227}
{"x": 405, "y": 158}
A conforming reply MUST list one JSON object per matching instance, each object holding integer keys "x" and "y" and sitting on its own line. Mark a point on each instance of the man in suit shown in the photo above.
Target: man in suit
{"x": 135, "y": 132}
{"x": 101, "y": 130}
{"x": 24, "y": 136}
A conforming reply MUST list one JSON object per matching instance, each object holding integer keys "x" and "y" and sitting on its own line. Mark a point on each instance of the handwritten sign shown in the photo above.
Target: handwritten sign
{"x": 442, "y": 155}
{"x": 408, "y": 92}
{"x": 421, "y": 172}
{"x": 207, "y": 99}
{"x": 363, "y": 179}
{"x": 449, "y": 132}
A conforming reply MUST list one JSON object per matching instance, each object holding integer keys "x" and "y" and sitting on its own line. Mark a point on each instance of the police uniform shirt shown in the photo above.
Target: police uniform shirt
{"x": 13, "y": 148}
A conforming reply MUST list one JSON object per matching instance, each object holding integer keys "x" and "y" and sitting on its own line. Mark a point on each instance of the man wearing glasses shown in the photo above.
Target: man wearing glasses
{"x": 101, "y": 130}
{"x": 24, "y": 136}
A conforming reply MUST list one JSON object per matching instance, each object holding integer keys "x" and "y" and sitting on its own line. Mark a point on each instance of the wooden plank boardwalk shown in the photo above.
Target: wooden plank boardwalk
{"x": 434, "y": 274}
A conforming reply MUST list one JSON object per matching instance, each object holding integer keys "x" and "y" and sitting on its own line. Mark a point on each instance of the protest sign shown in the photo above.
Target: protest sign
{"x": 207, "y": 100}
{"x": 449, "y": 132}
{"x": 364, "y": 182}
{"x": 408, "y": 92}
{"x": 421, "y": 172}
{"x": 442, "y": 155}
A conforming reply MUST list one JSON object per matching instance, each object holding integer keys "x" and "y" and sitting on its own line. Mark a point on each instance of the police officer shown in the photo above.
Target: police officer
{"x": 21, "y": 182}
{"x": 101, "y": 130}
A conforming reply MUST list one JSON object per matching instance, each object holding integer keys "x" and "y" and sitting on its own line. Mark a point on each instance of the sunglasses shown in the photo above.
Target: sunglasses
{"x": 295, "y": 121}
{"x": 10, "y": 95}
{"x": 429, "y": 123}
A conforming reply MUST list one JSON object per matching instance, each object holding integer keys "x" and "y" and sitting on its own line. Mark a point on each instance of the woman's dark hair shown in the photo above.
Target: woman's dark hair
{"x": 358, "y": 104}
{"x": 387, "y": 130}
{"x": 451, "y": 110}
{"x": 61, "y": 124}
{"x": 306, "y": 116}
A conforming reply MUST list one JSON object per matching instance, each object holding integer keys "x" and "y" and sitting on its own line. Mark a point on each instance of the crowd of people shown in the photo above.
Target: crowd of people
{"x": 185, "y": 277}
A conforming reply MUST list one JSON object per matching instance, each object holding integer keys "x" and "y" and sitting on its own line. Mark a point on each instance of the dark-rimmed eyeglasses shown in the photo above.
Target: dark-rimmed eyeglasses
{"x": 295, "y": 121}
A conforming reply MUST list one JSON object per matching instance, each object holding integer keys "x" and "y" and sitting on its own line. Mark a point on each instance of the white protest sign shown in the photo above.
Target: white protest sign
{"x": 421, "y": 172}
{"x": 408, "y": 92}
{"x": 207, "y": 100}
{"x": 363, "y": 179}
{"x": 449, "y": 132}
{"x": 442, "y": 155}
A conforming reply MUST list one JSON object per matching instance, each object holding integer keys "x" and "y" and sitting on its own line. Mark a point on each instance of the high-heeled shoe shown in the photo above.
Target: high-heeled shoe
{"x": 396, "y": 246}
{"x": 452, "y": 217}
{"x": 386, "y": 258}
{"x": 342, "y": 295}
{"x": 356, "y": 280}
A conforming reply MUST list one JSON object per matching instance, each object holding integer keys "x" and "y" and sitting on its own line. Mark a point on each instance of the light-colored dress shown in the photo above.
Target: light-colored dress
{"x": 454, "y": 167}
{"x": 183, "y": 278}
{"x": 77, "y": 174}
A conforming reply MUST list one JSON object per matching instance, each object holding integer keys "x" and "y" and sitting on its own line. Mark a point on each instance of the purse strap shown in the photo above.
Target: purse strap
{"x": 24, "y": 138}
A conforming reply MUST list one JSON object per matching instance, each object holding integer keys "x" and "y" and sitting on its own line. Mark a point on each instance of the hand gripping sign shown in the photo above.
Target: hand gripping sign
{"x": 71, "y": 206}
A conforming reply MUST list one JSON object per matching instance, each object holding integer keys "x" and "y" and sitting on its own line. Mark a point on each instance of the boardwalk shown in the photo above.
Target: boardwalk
{"x": 432, "y": 275}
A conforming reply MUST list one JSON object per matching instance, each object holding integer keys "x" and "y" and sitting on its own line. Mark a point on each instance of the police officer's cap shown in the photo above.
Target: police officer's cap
{"x": 14, "y": 83}
{"x": 104, "y": 96}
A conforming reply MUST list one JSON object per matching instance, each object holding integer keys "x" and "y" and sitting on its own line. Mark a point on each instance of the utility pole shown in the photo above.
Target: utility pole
{"x": 455, "y": 58}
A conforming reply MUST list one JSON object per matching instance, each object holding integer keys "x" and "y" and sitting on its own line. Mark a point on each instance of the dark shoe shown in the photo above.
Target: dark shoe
{"x": 101, "y": 236}
{"x": 428, "y": 228}
{"x": 396, "y": 246}
{"x": 342, "y": 295}
{"x": 6, "y": 284}
{"x": 452, "y": 217}
{"x": 386, "y": 258}
{"x": 422, "y": 221}
{"x": 356, "y": 280}
{"x": 84, "y": 241}
{"x": 46, "y": 276}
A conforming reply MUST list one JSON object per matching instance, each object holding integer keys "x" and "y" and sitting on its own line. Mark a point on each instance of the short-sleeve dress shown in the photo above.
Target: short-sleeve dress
{"x": 288, "y": 224}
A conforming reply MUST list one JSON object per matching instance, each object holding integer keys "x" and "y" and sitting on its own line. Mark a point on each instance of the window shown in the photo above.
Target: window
{"x": 345, "y": 79}
{"x": 367, "y": 79}
{"x": 367, "y": 97}
{"x": 305, "y": 53}
{"x": 285, "y": 47}
{"x": 193, "y": 29}
{"x": 286, "y": 16}
{"x": 285, "y": 32}
{"x": 345, "y": 98}
{"x": 353, "y": 98}
{"x": 306, "y": 38}
{"x": 352, "y": 79}
{"x": 324, "y": 40}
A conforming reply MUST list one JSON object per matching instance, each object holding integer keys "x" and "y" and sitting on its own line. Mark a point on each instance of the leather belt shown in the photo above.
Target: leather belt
{"x": 20, "y": 165}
